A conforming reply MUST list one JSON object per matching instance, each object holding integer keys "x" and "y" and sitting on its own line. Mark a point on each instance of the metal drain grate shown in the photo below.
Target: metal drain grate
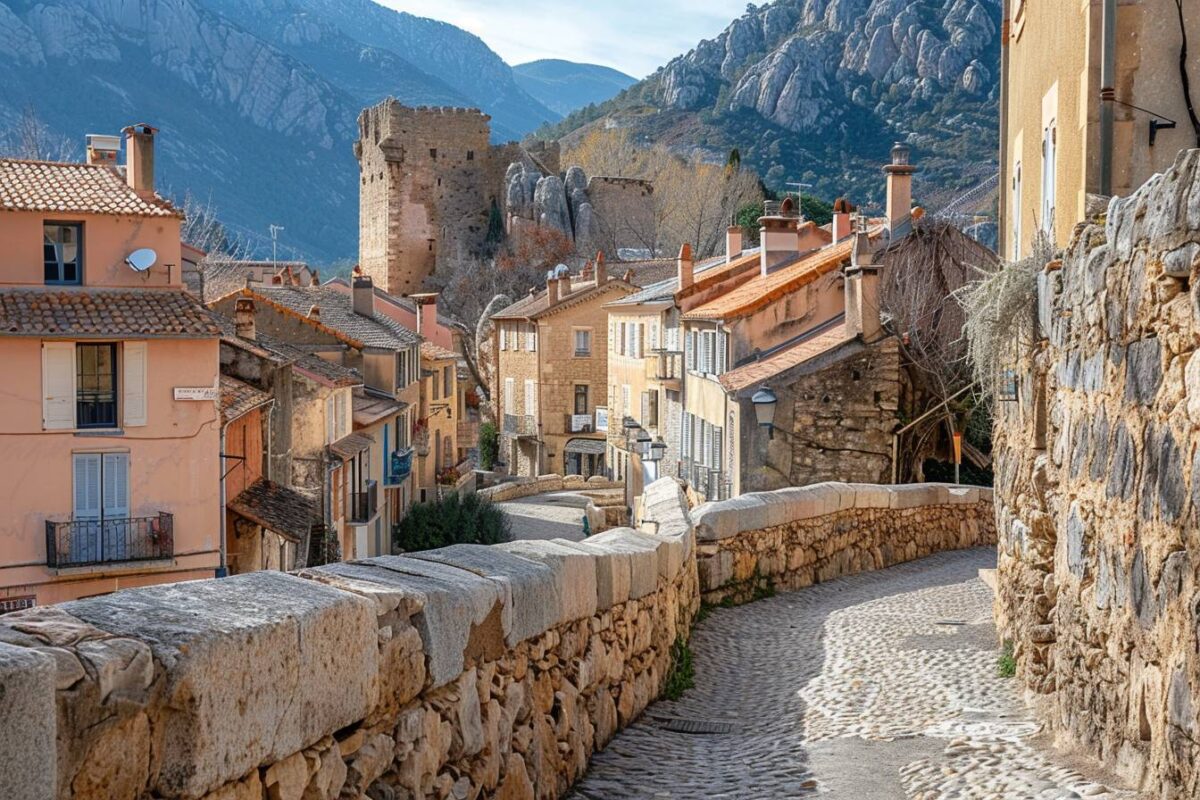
{"x": 698, "y": 727}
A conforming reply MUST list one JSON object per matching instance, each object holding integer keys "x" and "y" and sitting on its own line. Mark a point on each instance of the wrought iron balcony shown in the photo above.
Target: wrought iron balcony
{"x": 89, "y": 542}
{"x": 364, "y": 504}
{"x": 520, "y": 425}
{"x": 400, "y": 467}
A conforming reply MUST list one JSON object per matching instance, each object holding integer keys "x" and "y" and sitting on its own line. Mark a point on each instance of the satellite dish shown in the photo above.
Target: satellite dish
{"x": 141, "y": 260}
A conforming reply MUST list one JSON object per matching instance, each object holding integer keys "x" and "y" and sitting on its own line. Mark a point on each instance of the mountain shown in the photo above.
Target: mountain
{"x": 257, "y": 100}
{"x": 565, "y": 86}
{"x": 815, "y": 91}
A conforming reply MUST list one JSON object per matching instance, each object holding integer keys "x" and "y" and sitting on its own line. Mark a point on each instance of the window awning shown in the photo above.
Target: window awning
{"x": 348, "y": 447}
{"x": 593, "y": 447}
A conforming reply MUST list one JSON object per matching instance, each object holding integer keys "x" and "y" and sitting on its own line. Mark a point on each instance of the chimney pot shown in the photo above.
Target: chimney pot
{"x": 685, "y": 266}
{"x": 363, "y": 296}
{"x": 843, "y": 224}
{"x": 139, "y": 158}
{"x": 315, "y": 280}
{"x": 314, "y": 312}
{"x": 733, "y": 242}
{"x": 243, "y": 318}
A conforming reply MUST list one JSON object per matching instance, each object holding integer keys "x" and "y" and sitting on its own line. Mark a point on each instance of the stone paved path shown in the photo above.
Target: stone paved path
{"x": 881, "y": 685}
{"x": 546, "y": 516}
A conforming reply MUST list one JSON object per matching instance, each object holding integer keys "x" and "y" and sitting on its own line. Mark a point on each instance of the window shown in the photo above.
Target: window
{"x": 447, "y": 381}
{"x": 531, "y": 338}
{"x": 583, "y": 343}
{"x": 650, "y": 409}
{"x": 1016, "y": 212}
{"x": 96, "y": 386}
{"x": 101, "y": 496}
{"x": 502, "y": 332}
{"x": 63, "y": 252}
{"x": 581, "y": 398}
{"x": 621, "y": 340}
{"x": 433, "y": 153}
{"x": 470, "y": 155}
{"x": 1049, "y": 176}
{"x": 510, "y": 399}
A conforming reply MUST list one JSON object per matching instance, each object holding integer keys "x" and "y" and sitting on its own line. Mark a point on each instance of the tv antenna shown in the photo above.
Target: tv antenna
{"x": 275, "y": 230}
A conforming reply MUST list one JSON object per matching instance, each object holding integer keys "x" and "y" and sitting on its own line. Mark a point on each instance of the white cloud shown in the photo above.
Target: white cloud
{"x": 634, "y": 36}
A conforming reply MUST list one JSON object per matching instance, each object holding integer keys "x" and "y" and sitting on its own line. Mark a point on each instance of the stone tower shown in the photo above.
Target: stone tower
{"x": 424, "y": 192}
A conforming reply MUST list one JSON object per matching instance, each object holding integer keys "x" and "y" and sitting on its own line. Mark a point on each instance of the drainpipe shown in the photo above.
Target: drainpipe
{"x": 1108, "y": 59}
{"x": 223, "y": 569}
{"x": 1002, "y": 213}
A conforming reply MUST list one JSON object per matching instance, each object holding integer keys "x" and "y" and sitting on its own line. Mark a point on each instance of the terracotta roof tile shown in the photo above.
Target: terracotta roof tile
{"x": 337, "y": 313}
{"x": 534, "y": 306}
{"x": 436, "y": 352}
{"x": 756, "y": 372}
{"x": 238, "y": 399}
{"x": 276, "y": 508}
{"x": 106, "y": 313}
{"x": 351, "y": 445}
{"x": 280, "y": 352}
{"x": 762, "y": 290}
{"x": 367, "y": 409}
{"x": 74, "y": 189}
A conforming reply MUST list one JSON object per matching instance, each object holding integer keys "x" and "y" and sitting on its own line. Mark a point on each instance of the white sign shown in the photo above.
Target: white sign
{"x": 601, "y": 419}
{"x": 197, "y": 393}
{"x": 580, "y": 422}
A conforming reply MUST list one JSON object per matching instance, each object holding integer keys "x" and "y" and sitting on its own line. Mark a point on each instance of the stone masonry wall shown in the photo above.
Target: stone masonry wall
{"x": 463, "y": 672}
{"x": 792, "y": 538}
{"x": 1098, "y": 489}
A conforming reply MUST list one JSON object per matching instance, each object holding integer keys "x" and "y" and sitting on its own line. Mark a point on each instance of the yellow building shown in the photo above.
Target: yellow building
{"x": 1081, "y": 117}
{"x": 552, "y": 375}
{"x": 437, "y": 446}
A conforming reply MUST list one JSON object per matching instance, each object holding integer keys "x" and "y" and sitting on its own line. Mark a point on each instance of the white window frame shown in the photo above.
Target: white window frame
{"x": 575, "y": 333}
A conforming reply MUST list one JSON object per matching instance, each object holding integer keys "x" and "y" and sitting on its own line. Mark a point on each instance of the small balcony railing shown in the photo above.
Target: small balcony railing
{"x": 364, "y": 504}
{"x": 89, "y": 542}
{"x": 520, "y": 425}
{"x": 400, "y": 467}
{"x": 664, "y": 365}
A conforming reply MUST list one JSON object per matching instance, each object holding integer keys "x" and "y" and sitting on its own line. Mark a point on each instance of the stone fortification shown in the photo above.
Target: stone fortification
{"x": 1098, "y": 489}
{"x": 791, "y": 538}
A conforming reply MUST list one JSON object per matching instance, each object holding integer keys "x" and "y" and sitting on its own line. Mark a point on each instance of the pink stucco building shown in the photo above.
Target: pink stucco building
{"x": 109, "y": 423}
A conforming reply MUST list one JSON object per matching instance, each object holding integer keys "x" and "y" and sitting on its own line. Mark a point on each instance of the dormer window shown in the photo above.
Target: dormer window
{"x": 62, "y": 248}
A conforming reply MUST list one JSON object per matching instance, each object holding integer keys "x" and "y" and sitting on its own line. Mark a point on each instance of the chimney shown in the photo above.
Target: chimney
{"x": 842, "y": 224}
{"x": 686, "y": 266}
{"x": 243, "y": 318}
{"x": 314, "y": 312}
{"x": 551, "y": 292}
{"x": 363, "y": 292}
{"x": 601, "y": 272}
{"x": 862, "y": 291}
{"x": 778, "y": 236}
{"x": 426, "y": 313}
{"x": 899, "y": 187}
{"x": 139, "y": 158}
{"x": 102, "y": 149}
{"x": 733, "y": 242}
{"x": 315, "y": 280}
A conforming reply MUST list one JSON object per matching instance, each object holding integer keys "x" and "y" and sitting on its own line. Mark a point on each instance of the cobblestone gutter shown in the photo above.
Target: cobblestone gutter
{"x": 792, "y": 538}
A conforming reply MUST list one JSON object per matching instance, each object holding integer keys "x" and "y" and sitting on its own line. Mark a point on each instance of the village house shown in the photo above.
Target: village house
{"x": 367, "y": 435}
{"x": 552, "y": 374}
{"x": 1085, "y": 116}
{"x": 437, "y": 448}
{"x": 274, "y": 498}
{"x": 111, "y": 425}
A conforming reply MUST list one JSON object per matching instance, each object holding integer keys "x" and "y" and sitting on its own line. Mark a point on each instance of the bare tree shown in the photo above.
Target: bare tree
{"x": 922, "y": 280}
{"x": 203, "y": 229}
{"x": 29, "y": 137}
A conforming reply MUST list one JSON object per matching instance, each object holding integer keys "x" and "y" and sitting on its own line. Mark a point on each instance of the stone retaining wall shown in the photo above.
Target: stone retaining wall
{"x": 1098, "y": 489}
{"x": 791, "y": 538}
{"x": 463, "y": 672}
{"x": 527, "y": 487}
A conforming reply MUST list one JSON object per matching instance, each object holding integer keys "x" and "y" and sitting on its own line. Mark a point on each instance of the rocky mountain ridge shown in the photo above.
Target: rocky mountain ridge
{"x": 814, "y": 90}
{"x": 564, "y": 86}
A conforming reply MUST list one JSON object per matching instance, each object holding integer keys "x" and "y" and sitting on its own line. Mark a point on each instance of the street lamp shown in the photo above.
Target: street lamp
{"x": 655, "y": 451}
{"x": 643, "y": 442}
{"x": 764, "y": 401}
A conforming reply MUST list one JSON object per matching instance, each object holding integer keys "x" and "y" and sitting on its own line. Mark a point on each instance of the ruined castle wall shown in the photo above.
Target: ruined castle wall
{"x": 425, "y": 183}
{"x": 792, "y": 538}
{"x": 468, "y": 671}
{"x": 1098, "y": 489}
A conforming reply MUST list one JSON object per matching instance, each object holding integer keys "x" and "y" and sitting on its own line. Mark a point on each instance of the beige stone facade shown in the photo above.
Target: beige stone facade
{"x": 552, "y": 377}
{"x": 1051, "y": 109}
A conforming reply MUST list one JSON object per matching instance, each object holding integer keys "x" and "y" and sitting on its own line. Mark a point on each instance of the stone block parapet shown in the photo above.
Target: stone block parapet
{"x": 544, "y": 484}
{"x": 791, "y": 538}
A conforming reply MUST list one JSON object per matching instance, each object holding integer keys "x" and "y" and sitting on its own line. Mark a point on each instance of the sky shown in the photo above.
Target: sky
{"x": 634, "y": 36}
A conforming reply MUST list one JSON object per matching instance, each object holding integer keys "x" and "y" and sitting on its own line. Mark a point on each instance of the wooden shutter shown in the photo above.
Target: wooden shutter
{"x": 685, "y": 434}
{"x": 58, "y": 385}
{"x": 503, "y": 334}
{"x": 689, "y": 355}
{"x": 87, "y": 486}
{"x": 645, "y": 419}
{"x": 133, "y": 391}
{"x": 722, "y": 343}
{"x": 705, "y": 443}
{"x": 510, "y": 392}
{"x": 115, "y": 474}
{"x": 716, "y": 440}
{"x": 530, "y": 398}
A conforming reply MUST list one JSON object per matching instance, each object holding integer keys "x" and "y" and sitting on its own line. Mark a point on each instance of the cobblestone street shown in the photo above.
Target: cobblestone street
{"x": 547, "y": 516}
{"x": 880, "y": 685}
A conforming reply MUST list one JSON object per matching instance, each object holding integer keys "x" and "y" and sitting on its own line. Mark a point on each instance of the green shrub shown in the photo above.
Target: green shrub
{"x": 683, "y": 672}
{"x": 467, "y": 519}
{"x": 1006, "y": 665}
{"x": 489, "y": 445}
